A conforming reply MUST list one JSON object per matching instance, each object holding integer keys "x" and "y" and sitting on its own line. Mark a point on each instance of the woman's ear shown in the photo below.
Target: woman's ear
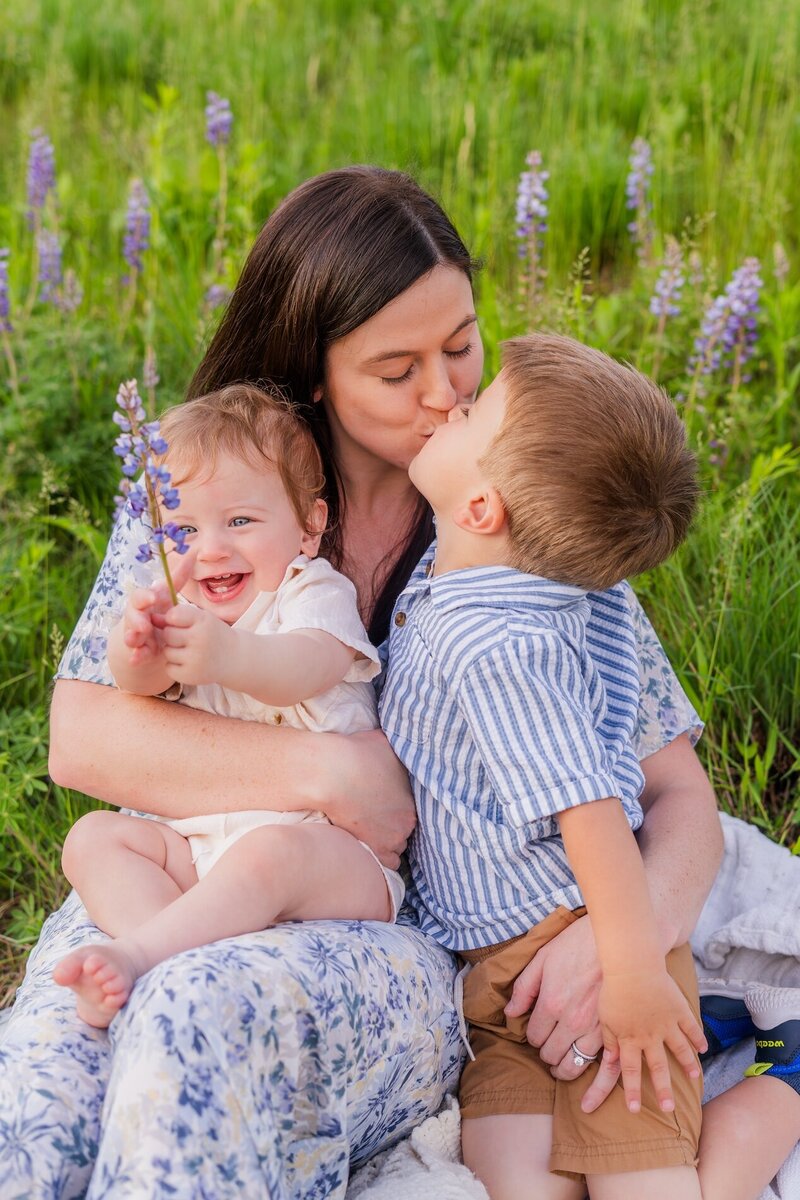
{"x": 316, "y": 395}
{"x": 484, "y": 514}
{"x": 312, "y": 535}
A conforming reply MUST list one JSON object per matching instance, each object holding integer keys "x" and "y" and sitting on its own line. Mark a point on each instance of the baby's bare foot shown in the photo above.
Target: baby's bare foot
{"x": 102, "y": 977}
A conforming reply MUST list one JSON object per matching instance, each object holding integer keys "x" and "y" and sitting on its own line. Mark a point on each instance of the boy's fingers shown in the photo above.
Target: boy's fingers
{"x": 142, "y": 598}
{"x": 659, "y": 1073}
{"x": 180, "y": 616}
{"x": 603, "y": 1083}
{"x": 682, "y": 1049}
{"x": 630, "y": 1061}
{"x": 693, "y": 1030}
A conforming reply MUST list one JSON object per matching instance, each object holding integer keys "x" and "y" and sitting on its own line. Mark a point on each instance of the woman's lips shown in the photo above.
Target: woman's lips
{"x": 220, "y": 588}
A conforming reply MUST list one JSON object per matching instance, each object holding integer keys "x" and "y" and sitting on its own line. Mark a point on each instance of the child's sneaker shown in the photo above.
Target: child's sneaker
{"x": 776, "y": 1016}
{"x": 726, "y": 1018}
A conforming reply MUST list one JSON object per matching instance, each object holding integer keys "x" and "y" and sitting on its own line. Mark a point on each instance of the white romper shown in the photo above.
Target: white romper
{"x": 312, "y": 595}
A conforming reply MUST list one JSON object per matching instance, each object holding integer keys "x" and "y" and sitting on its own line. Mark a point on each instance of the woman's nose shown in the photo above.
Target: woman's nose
{"x": 439, "y": 391}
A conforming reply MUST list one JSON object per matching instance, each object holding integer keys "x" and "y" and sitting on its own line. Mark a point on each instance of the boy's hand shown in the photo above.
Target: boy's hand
{"x": 198, "y": 647}
{"x": 645, "y": 1013}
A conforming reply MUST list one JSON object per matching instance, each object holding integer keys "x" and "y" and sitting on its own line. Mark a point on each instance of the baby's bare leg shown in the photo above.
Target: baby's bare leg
{"x": 126, "y": 869}
{"x": 276, "y": 873}
{"x": 510, "y": 1156}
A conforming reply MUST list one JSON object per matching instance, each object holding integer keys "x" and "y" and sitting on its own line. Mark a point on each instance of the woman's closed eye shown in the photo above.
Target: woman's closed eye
{"x": 462, "y": 353}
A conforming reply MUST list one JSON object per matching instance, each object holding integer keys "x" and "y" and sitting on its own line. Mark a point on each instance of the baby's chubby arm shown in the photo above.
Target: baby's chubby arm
{"x": 276, "y": 668}
{"x": 641, "y": 1008}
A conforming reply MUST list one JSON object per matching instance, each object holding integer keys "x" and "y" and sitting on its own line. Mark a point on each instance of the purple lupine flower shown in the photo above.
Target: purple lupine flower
{"x": 531, "y": 215}
{"x": 730, "y": 328}
{"x": 137, "y": 227}
{"x": 217, "y": 295}
{"x": 219, "y": 119}
{"x": 669, "y": 285}
{"x": 5, "y": 295}
{"x": 637, "y": 192}
{"x": 71, "y": 292}
{"x": 140, "y": 446}
{"x": 41, "y": 172}
{"x": 49, "y": 265}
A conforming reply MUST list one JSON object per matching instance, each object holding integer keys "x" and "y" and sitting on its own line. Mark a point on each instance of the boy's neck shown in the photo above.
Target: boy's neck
{"x": 458, "y": 550}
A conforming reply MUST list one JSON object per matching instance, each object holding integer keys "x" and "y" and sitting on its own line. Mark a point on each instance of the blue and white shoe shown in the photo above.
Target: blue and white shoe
{"x": 776, "y": 1016}
{"x": 726, "y": 1018}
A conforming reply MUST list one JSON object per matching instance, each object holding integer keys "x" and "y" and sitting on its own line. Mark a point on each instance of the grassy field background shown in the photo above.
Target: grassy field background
{"x": 458, "y": 94}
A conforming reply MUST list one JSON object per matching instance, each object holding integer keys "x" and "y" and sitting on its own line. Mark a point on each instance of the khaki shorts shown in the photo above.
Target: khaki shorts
{"x": 508, "y": 1076}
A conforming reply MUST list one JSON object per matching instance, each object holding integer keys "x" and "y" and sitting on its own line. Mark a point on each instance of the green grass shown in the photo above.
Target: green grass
{"x": 457, "y": 93}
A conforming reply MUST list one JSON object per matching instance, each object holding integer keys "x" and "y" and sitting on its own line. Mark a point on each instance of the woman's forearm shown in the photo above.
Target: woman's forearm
{"x": 681, "y": 839}
{"x": 172, "y": 760}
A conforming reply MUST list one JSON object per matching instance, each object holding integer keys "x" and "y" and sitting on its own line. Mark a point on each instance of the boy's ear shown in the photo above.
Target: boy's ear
{"x": 309, "y": 543}
{"x": 485, "y": 513}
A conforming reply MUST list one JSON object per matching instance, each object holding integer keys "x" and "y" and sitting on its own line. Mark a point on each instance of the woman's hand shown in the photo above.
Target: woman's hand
{"x": 367, "y": 792}
{"x": 562, "y": 983}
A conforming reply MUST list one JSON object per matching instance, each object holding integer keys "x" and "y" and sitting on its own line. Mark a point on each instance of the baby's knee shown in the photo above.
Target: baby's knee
{"x": 88, "y": 835}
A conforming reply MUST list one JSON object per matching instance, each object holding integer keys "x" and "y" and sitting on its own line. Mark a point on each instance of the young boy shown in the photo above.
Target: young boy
{"x": 269, "y": 632}
{"x": 568, "y": 474}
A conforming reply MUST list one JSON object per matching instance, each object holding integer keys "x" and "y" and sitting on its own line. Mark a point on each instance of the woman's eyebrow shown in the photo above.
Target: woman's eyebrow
{"x": 376, "y": 358}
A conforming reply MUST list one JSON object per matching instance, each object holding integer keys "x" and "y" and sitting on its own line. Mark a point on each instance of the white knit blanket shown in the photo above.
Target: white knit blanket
{"x": 748, "y": 930}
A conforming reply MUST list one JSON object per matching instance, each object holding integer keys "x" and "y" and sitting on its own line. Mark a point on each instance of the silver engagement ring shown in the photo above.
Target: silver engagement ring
{"x": 580, "y": 1059}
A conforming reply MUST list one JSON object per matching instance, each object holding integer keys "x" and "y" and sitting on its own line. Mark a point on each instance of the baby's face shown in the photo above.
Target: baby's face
{"x": 242, "y": 534}
{"x": 447, "y": 470}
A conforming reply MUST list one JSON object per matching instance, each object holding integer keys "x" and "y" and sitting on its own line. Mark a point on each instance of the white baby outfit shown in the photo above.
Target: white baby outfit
{"x": 312, "y": 595}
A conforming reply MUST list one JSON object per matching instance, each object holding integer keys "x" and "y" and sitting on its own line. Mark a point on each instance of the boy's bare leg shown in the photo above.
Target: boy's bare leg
{"x": 748, "y": 1132}
{"x": 126, "y": 869}
{"x": 510, "y": 1156}
{"x": 275, "y": 873}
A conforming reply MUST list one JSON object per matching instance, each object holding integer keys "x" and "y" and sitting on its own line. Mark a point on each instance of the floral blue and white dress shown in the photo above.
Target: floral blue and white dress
{"x": 258, "y": 1067}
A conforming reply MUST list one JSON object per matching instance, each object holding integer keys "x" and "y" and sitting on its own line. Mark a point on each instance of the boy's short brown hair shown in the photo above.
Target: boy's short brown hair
{"x": 257, "y": 426}
{"x": 591, "y": 463}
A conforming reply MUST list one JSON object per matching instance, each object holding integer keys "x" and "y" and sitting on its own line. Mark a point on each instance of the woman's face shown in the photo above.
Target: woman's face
{"x": 393, "y": 381}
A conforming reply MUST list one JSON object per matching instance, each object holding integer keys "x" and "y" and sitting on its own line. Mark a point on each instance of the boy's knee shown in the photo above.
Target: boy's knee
{"x": 87, "y": 835}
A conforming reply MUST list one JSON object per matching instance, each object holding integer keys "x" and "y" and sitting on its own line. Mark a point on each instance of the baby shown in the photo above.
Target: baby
{"x": 569, "y": 473}
{"x": 267, "y": 632}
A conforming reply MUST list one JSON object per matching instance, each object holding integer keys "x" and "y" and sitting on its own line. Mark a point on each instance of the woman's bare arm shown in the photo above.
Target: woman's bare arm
{"x": 175, "y": 761}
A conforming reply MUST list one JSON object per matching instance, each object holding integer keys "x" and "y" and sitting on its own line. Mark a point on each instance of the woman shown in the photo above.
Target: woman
{"x": 261, "y": 1065}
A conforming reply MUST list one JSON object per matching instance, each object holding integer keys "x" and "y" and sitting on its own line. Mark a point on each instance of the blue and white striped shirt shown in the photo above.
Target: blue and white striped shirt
{"x": 509, "y": 698}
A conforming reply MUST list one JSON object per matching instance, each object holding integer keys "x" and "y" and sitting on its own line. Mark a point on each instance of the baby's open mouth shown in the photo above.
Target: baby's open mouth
{"x": 223, "y": 587}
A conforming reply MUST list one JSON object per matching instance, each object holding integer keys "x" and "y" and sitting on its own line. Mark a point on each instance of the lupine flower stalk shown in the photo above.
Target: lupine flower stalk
{"x": 531, "y": 222}
{"x": 667, "y": 293}
{"x": 41, "y": 178}
{"x": 71, "y": 293}
{"x": 141, "y": 448}
{"x": 219, "y": 122}
{"x": 730, "y": 326}
{"x": 50, "y": 272}
{"x": 150, "y": 378}
{"x": 5, "y": 320}
{"x": 41, "y": 181}
{"x": 137, "y": 230}
{"x": 637, "y": 190}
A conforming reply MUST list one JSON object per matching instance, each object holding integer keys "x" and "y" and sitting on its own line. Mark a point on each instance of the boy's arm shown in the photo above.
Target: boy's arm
{"x": 276, "y": 668}
{"x": 642, "y": 1010}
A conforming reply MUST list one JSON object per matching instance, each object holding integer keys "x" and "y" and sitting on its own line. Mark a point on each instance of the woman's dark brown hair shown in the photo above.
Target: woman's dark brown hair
{"x": 337, "y": 250}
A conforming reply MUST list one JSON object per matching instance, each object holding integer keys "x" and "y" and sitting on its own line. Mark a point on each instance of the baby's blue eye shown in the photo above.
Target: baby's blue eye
{"x": 187, "y": 529}
{"x": 238, "y": 521}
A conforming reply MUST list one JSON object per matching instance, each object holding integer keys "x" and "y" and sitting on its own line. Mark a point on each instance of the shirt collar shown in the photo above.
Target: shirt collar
{"x": 501, "y": 587}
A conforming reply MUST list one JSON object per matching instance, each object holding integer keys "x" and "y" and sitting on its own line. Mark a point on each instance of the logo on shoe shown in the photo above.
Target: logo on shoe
{"x": 763, "y": 1045}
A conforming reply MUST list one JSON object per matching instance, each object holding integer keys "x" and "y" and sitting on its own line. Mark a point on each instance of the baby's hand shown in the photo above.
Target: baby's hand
{"x": 646, "y": 1014}
{"x": 141, "y": 633}
{"x": 197, "y": 645}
